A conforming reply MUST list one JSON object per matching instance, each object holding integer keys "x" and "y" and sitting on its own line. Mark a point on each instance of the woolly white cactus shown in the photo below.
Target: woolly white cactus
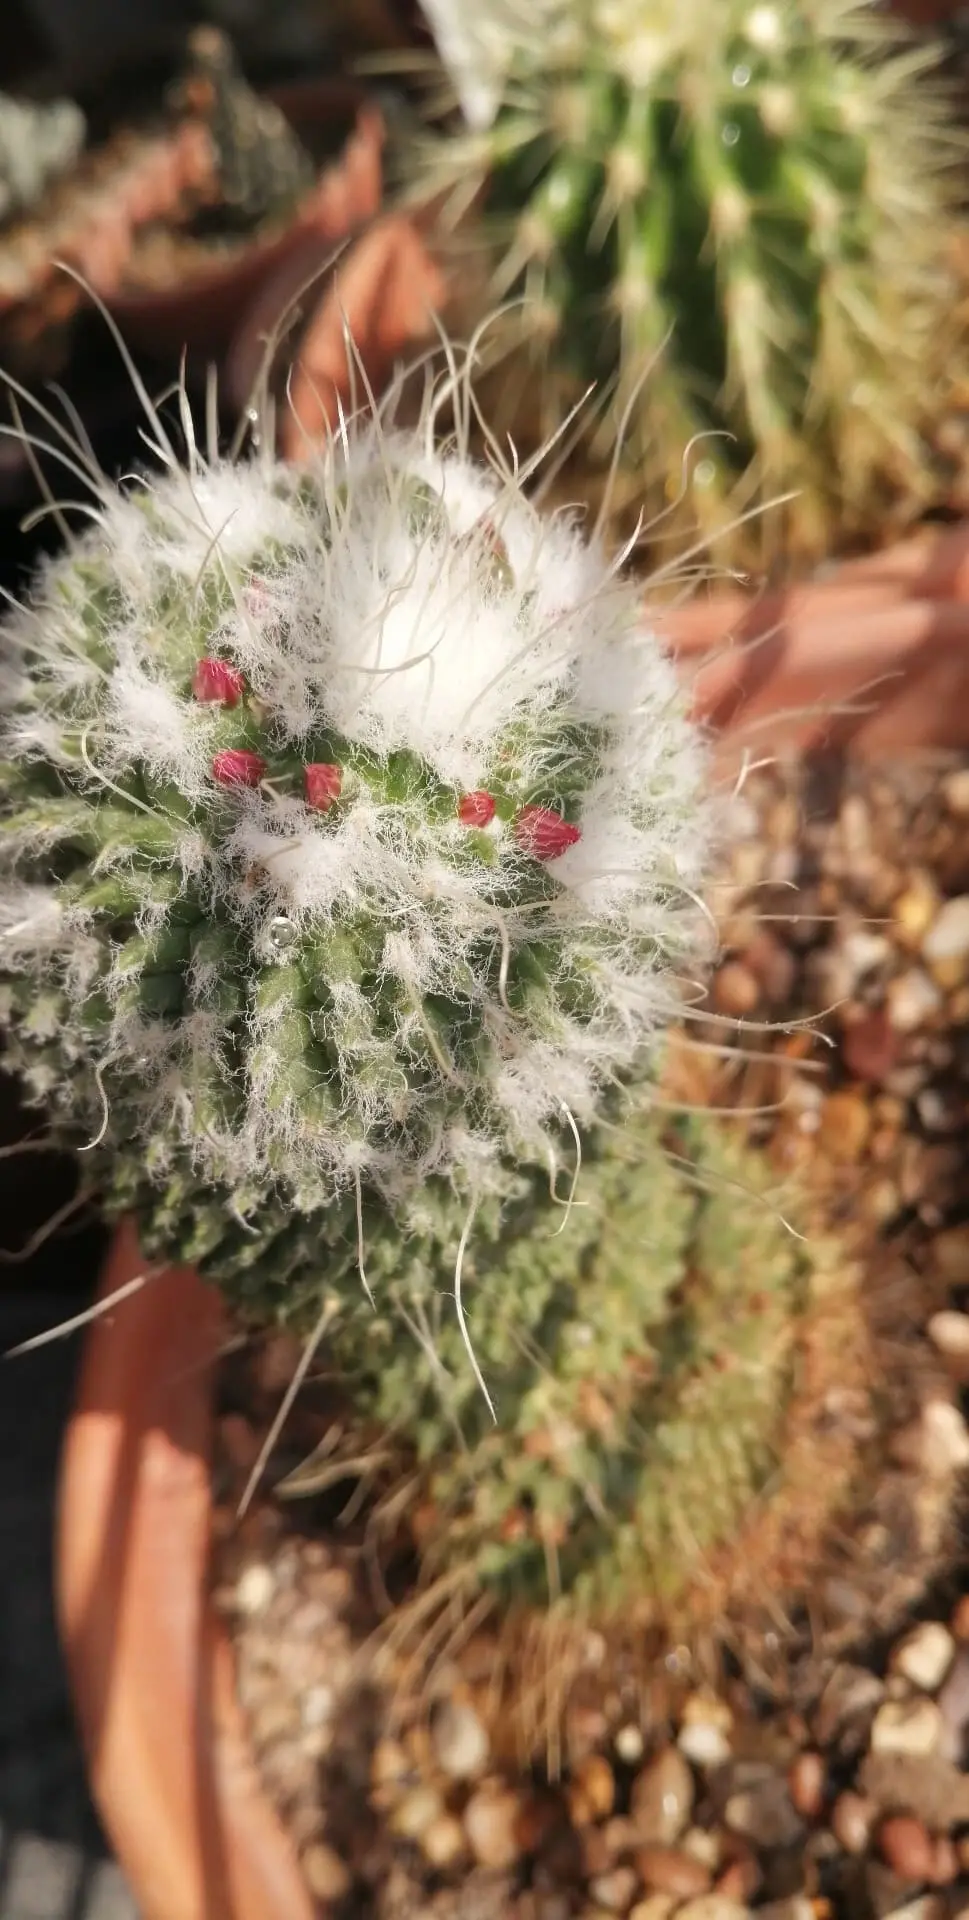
{"x": 352, "y": 819}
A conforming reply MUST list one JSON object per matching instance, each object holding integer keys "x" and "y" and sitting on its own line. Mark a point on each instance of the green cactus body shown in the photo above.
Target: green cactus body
{"x": 733, "y": 219}
{"x": 351, "y": 824}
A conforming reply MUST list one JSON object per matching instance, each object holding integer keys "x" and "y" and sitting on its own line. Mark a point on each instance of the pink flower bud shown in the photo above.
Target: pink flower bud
{"x": 544, "y": 834}
{"x": 235, "y": 767}
{"x": 323, "y": 782}
{"x": 215, "y": 680}
{"x": 476, "y": 809}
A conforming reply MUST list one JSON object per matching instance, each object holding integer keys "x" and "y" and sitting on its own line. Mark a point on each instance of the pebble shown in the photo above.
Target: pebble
{"x": 662, "y": 1798}
{"x": 629, "y": 1744}
{"x": 657, "y": 1906}
{"x": 736, "y": 991}
{"x": 870, "y": 1046}
{"x": 955, "y": 791}
{"x": 491, "y": 1824}
{"x": 925, "y": 1654}
{"x": 912, "y": 1000}
{"x": 327, "y": 1875}
{"x": 461, "y": 1743}
{"x": 254, "y": 1589}
{"x": 937, "y": 1443}
{"x": 443, "y": 1841}
{"x": 907, "y": 1847}
{"x": 845, "y": 1125}
{"x": 705, "y": 1724}
{"x": 796, "y": 1906}
{"x": 915, "y": 909}
{"x": 959, "y": 1621}
{"x": 950, "y": 1255}
{"x": 591, "y": 1791}
{"x": 954, "y": 1707}
{"x": 712, "y": 1906}
{"x": 670, "y": 1870}
{"x": 946, "y": 943}
{"x": 949, "y": 1333}
{"x": 806, "y": 1783}
{"x": 852, "y": 1818}
{"x": 416, "y": 1811}
{"x": 764, "y": 1813}
{"x": 907, "y": 1726}
{"x": 615, "y": 1890}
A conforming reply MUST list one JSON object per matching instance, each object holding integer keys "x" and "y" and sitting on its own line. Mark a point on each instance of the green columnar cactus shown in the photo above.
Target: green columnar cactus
{"x": 735, "y": 219}
{"x": 261, "y": 167}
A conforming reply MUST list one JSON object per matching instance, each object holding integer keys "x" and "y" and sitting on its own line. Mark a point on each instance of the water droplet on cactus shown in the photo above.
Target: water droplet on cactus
{"x": 215, "y": 681}
{"x": 730, "y": 133}
{"x": 741, "y": 75}
{"x": 476, "y": 809}
{"x": 281, "y": 935}
{"x": 544, "y": 834}
{"x": 236, "y": 767}
{"x": 705, "y": 473}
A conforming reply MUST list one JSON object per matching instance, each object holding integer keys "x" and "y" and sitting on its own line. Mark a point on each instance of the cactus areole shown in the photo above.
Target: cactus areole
{"x": 350, "y": 824}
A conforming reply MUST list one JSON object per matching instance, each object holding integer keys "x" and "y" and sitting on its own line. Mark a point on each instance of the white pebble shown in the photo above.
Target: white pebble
{"x": 254, "y": 1588}
{"x": 703, "y": 1743}
{"x": 317, "y": 1709}
{"x": 925, "y": 1655}
{"x": 948, "y": 936}
{"x": 907, "y": 1726}
{"x": 629, "y": 1744}
{"x": 460, "y": 1741}
{"x": 912, "y": 1000}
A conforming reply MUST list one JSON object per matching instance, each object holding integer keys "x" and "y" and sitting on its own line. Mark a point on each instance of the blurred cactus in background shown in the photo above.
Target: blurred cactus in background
{"x": 38, "y": 142}
{"x": 734, "y": 219}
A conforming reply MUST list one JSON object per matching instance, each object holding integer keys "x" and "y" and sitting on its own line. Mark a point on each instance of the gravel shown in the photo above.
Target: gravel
{"x": 815, "y": 1768}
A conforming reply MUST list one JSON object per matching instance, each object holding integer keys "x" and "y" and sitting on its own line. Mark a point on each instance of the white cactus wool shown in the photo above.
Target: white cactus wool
{"x": 352, "y": 822}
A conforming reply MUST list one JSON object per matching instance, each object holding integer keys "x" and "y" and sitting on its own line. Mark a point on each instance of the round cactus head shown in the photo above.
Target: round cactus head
{"x": 350, "y": 823}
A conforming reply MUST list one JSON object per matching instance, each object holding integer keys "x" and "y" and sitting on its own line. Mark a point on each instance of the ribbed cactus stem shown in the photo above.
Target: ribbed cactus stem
{"x": 742, "y": 215}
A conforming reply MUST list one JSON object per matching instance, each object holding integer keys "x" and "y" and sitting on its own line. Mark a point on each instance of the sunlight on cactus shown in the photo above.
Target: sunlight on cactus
{"x": 351, "y": 824}
{"x": 735, "y": 220}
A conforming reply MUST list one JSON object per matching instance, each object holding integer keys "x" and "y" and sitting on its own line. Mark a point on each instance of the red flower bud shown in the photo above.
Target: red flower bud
{"x": 323, "y": 782}
{"x": 215, "y": 680}
{"x": 544, "y": 834}
{"x": 476, "y": 809}
{"x": 235, "y": 767}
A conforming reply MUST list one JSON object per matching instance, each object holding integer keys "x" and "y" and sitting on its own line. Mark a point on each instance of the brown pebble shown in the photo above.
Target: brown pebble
{"x": 845, "y": 1125}
{"x": 662, "y": 1798}
{"x": 591, "y": 1792}
{"x": 806, "y": 1784}
{"x": 442, "y": 1842}
{"x": 870, "y": 1047}
{"x": 735, "y": 989}
{"x": 907, "y": 1848}
{"x": 945, "y": 1864}
{"x": 491, "y": 1824}
{"x": 959, "y": 1622}
{"x": 852, "y": 1817}
{"x": 326, "y": 1874}
{"x": 670, "y": 1870}
{"x": 740, "y": 1880}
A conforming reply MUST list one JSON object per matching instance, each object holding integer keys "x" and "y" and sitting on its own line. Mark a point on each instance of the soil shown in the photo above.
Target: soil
{"x": 807, "y": 1763}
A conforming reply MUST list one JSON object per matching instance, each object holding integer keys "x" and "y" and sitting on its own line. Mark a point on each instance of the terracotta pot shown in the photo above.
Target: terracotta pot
{"x": 202, "y": 313}
{"x": 385, "y": 287}
{"x": 151, "y": 1669}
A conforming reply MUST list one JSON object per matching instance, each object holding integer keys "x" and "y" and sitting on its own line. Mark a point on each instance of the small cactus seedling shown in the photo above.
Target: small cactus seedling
{"x": 734, "y": 219}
